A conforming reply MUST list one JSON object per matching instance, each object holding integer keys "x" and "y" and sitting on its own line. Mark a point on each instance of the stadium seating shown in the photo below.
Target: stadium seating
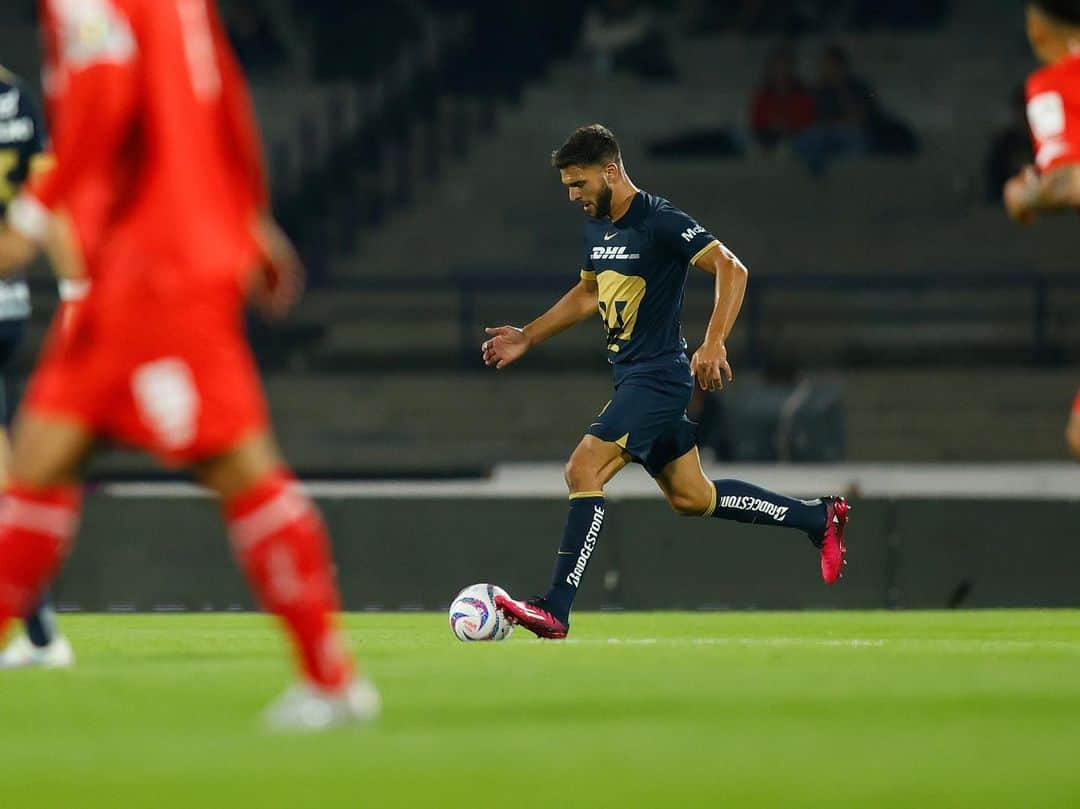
{"x": 425, "y": 222}
{"x": 869, "y": 215}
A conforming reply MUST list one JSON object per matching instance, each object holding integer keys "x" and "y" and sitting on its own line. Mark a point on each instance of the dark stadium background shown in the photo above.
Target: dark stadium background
{"x": 901, "y": 339}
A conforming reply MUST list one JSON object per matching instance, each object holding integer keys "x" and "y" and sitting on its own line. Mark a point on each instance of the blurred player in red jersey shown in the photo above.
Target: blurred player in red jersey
{"x": 1053, "y": 107}
{"x": 159, "y": 178}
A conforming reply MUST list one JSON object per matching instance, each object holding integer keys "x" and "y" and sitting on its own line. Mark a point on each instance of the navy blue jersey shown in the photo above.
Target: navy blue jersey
{"x": 640, "y": 264}
{"x": 22, "y": 141}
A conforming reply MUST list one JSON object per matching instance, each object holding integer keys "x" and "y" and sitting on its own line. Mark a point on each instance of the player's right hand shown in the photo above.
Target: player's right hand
{"x": 280, "y": 281}
{"x": 506, "y": 344}
{"x": 1016, "y": 194}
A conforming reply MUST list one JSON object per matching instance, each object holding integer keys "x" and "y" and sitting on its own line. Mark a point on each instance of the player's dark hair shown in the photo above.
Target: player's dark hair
{"x": 1065, "y": 11}
{"x": 592, "y": 145}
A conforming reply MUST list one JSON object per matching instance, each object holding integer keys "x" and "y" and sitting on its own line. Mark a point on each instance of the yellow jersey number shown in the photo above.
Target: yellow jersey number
{"x": 619, "y": 298}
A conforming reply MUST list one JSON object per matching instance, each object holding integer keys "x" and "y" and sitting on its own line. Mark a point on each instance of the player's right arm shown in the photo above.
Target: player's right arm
{"x": 1030, "y": 193}
{"x": 509, "y": 343}
{"x": 1054, "y": 120}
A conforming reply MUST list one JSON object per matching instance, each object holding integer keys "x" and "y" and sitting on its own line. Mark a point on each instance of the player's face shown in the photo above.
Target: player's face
{"x": 588, "y": 187}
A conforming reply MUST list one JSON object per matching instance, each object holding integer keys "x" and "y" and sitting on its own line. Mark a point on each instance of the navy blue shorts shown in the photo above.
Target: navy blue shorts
{"x": 647, "y": 415}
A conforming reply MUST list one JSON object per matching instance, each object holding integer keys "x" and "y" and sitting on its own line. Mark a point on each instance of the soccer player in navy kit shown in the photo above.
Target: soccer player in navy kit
{"x": 638, "y": 248}
{"x": 22, "y": 153}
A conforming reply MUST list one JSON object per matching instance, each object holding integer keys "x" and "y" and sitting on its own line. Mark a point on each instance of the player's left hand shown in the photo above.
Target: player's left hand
{"x": 710, "y": 367}
{"x": 1017, "y": 193}
{"x": 280, "y": 281}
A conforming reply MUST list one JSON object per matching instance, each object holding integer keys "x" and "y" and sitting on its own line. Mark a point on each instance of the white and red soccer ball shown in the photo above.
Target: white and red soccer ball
{"x": 474, "y": 616}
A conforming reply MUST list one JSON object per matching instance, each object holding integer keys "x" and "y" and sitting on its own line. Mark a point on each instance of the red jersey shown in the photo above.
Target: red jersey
{"x": 159, "y": 162}
{"x": 1053, "y": 111}
{"x": 159, "y": 168}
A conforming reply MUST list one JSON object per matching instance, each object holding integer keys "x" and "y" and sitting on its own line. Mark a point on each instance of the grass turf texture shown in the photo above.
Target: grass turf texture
{"x": 664, "y": 709}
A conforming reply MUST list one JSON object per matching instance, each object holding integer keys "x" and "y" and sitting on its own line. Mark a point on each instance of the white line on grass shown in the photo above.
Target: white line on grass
{"x": 963, "y": 646}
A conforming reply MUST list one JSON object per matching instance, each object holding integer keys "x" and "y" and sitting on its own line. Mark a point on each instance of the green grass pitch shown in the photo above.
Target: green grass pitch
{"x": 663, "y": 709}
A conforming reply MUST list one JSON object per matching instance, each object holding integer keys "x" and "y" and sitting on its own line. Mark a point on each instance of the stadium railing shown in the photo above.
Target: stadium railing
{"x": 808, "y": 320}
{"x": 1028, "y": 311}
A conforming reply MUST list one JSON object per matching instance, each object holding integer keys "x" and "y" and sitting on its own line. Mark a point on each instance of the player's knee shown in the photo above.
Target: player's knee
{"x": 242, "y": 467}
{"x": 581, "y": 476}
{"x": 688, "y": 504}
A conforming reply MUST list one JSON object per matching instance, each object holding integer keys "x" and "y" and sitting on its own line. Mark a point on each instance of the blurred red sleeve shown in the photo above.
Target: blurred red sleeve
{"x": 91, "y": 74}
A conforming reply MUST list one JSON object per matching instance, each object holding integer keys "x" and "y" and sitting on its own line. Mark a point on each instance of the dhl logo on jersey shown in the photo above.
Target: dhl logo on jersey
{"x": 600, "y": 253}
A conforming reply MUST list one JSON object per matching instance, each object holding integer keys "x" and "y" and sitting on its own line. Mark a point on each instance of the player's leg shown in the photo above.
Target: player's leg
{"x": 40, "y": 509}
{"x": 42, "y": 644}
{"x": 591, "y": 466}
{"x": 281, "y": 544}
{"x": 691, "y": 493}
{"x": 191, "y": 396}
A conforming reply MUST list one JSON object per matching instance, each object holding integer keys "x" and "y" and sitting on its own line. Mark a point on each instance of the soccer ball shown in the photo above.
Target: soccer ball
{"x": 474, "y": 616}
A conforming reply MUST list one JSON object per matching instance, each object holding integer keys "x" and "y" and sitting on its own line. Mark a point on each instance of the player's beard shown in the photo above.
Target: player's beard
{"x": 603, "y": 201}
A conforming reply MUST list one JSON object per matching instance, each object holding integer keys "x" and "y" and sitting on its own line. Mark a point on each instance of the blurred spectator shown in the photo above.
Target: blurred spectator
{"x": 843, "y": 112}
{"x": 849, "y": 120}
{"x": 625, "y": 35}
{"x": 1010, "y": 149}
{"x": 782, "y": 105}
{"x": 251, "y": 30}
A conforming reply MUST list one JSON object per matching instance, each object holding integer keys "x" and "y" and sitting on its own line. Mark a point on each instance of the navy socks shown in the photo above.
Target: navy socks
{"x": 41, "y": 623}
{"x": 583, "y": 525}
{"x": 745, "y": 502}
{"x": 735, "y": 500}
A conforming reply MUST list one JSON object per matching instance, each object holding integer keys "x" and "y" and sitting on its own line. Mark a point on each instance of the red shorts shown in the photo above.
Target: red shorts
{"x": 1076, "y": 403}
{"x": 176, "y": 380}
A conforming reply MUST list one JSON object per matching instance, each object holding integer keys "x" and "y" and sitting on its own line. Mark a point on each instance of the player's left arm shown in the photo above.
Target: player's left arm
{"x": 280, "y": 282}
{"x": 92, "y": 56}
{"x": 1030, "y": 193}
{"x": 710, "y": 363}
{"x": 696, "y": 246}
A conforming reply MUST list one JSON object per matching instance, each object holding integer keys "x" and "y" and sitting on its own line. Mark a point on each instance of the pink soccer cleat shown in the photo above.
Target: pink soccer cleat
{"x": 533, "y": 616}
{"x": 832, "y": 544}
